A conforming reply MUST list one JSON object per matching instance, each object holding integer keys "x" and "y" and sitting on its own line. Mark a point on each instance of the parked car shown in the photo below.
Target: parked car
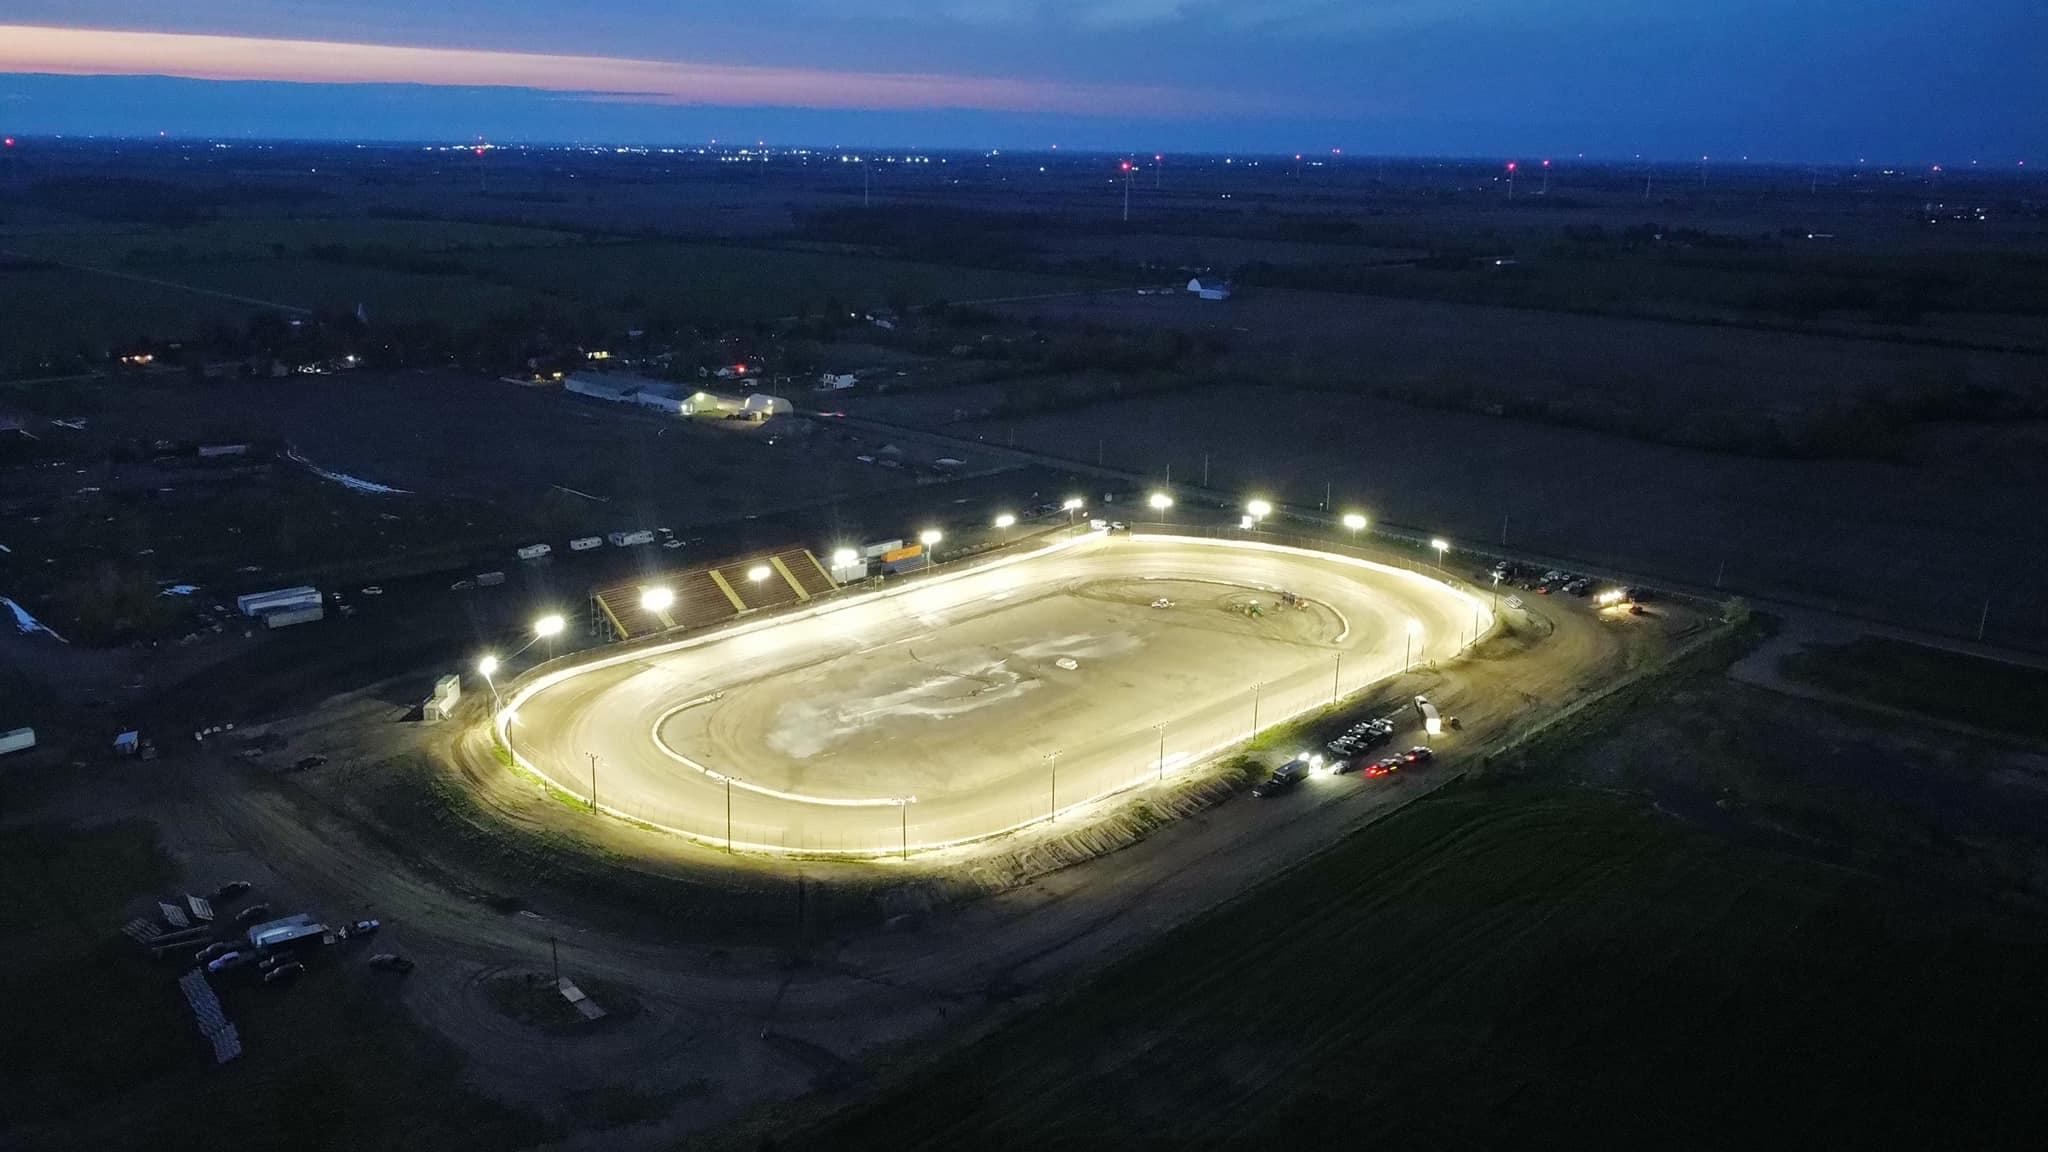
{"x": 1420, "y": 754}
{"x": 252, "y": 914}
{"x": 1385, "y": 765}
{"x": 230, "y": 890}
{"x": 372, "y": 590}
{"x": 213, "y": 951}
{"x": 462, "y": 586}
{"x": 359, "y": 929}
{"x": 227, "y": 960}
{"x": 391, "y": 962}
{"x": 304, "y": 763}
{"x": 284, "y": 973}
{"x": 1284, "y": 778}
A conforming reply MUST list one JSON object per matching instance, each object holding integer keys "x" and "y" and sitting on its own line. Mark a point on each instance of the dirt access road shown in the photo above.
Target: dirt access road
{"x": 728, "y": 1022}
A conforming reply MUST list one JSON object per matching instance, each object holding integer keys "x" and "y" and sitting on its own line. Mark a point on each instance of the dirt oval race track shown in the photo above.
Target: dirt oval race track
{"x": 969, "y": 702}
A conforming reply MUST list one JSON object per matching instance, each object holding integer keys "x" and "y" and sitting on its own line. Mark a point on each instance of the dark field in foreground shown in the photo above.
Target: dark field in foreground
{"x": 1952, "y": 686}
{"x": 102, "y": 1052}
{"x": 1523, "y": 966}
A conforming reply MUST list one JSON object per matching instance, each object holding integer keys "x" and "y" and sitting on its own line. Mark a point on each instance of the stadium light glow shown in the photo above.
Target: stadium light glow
{"x": 1161, "y": 501}
{"x": 657, "y": 599}
{"x": 1415, "y": 627}
{"x": 930, "y": 536}
{"x": 487, "y": 665}
{"x": 758, "y": 573}
{"x": 1005, "y": 520}
{"x": 1259, "y": 509}
{"x": 1074, "y": 504}
{"x": 845, "y": 558}
{"x": 1354, "y": 521}
{"x": 550, "y": 625}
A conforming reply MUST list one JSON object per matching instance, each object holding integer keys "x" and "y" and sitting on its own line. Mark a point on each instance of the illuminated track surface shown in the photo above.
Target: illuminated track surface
{"x": 998, "y": 696}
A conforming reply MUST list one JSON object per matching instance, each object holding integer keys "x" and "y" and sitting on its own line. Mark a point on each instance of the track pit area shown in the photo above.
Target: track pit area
{"x": 965, "y": 704}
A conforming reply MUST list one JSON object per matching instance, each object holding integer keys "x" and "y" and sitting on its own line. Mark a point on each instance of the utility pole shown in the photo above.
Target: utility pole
{"x": 1983, "y": 618}
{"x": 555, "y": 950}
{"x": 1205, "y": 469}
{"x": 1326, "y": 495}
{"x": 1503, "y": 529}
{"x": 593, "y": 780}
{"x": 864, "y": 201}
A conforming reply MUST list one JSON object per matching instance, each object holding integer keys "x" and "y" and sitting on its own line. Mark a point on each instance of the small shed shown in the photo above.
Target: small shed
{"x": 762, "y": 404}
{"x": 1210, "y": 287}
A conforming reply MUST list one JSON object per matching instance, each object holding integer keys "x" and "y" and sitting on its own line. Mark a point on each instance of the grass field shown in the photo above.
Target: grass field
{"x": 1524, "y": 967}
{"x": 102, "y": 1052}
{"x": 454, "y": 273}
{"x": 1951, "y": 686}
{"x": 735, "y": 284}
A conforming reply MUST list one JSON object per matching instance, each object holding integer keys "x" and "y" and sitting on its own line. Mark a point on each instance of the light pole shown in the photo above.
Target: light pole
{"x": 1442, "y": 546}
{"x": 728, "y": 814}
{"x": 1127, "y": 191}
{"x": 593, "y": 780}
{"x": 547, "y": 628}
{"x": 1162, "y": 752}
{"x": 1052, "y": 760}
{"x": 1073, "y": 505}
{"x": 1408, "y": 645}
{"x": 930, "y": 538}
{"x": 1496, "y": 592}
{"x": 843, "y": 560}
{"x": 488, "y": 665}
{"x": 1257, "y": 510}
{"x": 1336, "y": 677}
{"x": 1160, "y": 502}
{"x": 1257, "y": 687}
{"x": 1511, "y": 179}
{"x": 903, "y": 808}
{"x": 1005, "y": 522}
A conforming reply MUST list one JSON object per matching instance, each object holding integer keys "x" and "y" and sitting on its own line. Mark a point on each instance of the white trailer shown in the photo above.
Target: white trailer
{"x": 286, "y": 617}
{"x": 18, "y": 740}
{"x": 630, "y": 539}
{"x": 262, "y": 603}
{"x": 586, "y": 543}
{"x": 534, "y": 551}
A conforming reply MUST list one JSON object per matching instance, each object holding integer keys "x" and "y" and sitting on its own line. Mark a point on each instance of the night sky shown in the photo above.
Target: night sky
{"x": 1932, "y": 81}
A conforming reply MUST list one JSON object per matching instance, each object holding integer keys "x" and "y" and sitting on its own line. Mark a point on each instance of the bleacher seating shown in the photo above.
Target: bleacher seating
{"x": 710, "y": 595}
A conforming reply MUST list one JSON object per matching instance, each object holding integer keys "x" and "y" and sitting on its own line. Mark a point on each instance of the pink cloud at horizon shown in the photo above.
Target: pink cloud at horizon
{"x": 101, "y": 52}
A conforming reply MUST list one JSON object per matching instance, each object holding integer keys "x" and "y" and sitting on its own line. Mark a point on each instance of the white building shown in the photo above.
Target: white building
{"x": 831, "y": 381}
{"x": 1210, "y": 287}
{"x": 761, "y": 404}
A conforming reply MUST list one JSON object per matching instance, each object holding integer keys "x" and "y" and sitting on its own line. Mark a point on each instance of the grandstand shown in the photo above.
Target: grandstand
{"x": 713, "y": 594}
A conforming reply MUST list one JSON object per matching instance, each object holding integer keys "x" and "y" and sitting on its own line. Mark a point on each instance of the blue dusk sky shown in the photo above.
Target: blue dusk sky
{"x": 1826, "y": 80}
